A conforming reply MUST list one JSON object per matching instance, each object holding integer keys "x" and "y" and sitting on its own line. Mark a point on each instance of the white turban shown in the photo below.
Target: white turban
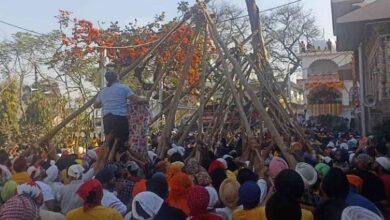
{"x": 358, "y": 213}
{"x": 34, "y": 171}
{"x": 75, "y": 171}
{"x": 51, "y": 172}
{"x": 152, "y": 157}
{"x": 308, "y": 173}
{"x": 330, "y": 144}
{"x": 384, "y": 162}
{"x": 149, "y": 202}
{"x": 213, "y": 197}
{"x": 344, "y": 146}
{"x": 31, "y": 189}
{"x": 92, "y": 154}
{"x": 176, "y": 149}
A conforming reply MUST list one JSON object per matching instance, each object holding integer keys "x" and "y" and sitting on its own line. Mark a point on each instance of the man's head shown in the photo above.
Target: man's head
{"x": 31, "y": 190}
{"x": 364, "y": 161}
{"x": 91, "y": 192}
{"x": 330, "y": 209}
{"x": 158, "y": 184}
{"x": 111, "y": 77}
{"x": 106, "y": 178}
{"x": 281, "y": 207}
{"x": 20, "y": 164}
{"x": 35, "y": 172}
{"x": 4, "y": 157}
{"x": 246, "y": 174}
{"x": 382, "y": 165}
{"x": 249, "y": 195}
{"x": 289, "y": 183}
{"x": 75, "y": 172}
{"x": 335, "y": 184}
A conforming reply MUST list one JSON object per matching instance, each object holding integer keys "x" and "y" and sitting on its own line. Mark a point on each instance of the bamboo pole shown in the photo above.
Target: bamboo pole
{"x": 196, "y": 114}
{"x": 221, "y": 46}
{"x": 202, "y": 85}
{"x": 189, "y": 90}
{"x": 233, "y": 90}
{"x": 281, "y": 110}
{"x": 176, "y": 98}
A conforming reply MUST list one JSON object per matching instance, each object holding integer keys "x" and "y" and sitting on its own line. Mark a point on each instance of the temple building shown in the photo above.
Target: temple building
{"x": 327, "y": 80}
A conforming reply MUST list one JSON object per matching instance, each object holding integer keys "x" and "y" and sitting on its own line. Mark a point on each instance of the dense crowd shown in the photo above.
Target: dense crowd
{"x": 342, "y": 177}
{"x": 323, "y": 176}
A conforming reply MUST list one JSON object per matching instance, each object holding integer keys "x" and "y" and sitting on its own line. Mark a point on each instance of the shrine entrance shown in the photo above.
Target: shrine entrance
{"x": 325, "y": 101}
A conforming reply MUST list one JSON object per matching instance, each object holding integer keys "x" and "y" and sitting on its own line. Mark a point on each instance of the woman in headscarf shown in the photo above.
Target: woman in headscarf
{"x": 179, "y": 186}
{"x": 192, "y": 168}
{"x": 198, "y": 200}
{"x": 92, "y": 193}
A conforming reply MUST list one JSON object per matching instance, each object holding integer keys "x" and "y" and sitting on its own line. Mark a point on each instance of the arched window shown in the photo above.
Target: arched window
{"x": 322, "y": 67}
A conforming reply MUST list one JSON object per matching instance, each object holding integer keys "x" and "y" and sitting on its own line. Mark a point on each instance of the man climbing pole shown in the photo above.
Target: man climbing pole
{"x": 114, "y": 100}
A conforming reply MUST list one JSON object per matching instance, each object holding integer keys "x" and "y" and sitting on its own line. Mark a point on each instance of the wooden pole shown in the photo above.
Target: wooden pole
{"x": 233, "y": 89}
{"x": 202, "y": 86}
{"x": 170, "y": 122}
{"x": 221, "y": 46}
{"x": 196, "y": 114}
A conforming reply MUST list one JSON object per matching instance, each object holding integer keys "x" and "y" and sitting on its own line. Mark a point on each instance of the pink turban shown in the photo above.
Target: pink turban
{"x": 276, "y": 165}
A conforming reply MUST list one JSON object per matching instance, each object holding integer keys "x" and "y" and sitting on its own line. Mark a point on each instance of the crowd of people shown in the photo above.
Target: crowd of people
{"x": 325, "y": 176}
{"x": 345, "y": 179}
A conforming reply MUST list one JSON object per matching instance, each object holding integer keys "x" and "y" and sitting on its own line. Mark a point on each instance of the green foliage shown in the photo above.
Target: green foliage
{"x": 9, "y": 106}
{"x": 38, "y": 112}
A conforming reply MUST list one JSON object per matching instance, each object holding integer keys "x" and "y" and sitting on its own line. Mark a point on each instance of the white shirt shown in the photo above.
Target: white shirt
{"x": 47, "y": 193}
{"x": 109, "y": 200}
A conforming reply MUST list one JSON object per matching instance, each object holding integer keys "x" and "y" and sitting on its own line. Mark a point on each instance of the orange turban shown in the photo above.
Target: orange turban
{"x": 172, "y": 171}
{"x": 139, "y": 186}
{"x": 179, "y": 185}
{"x": 355, "y": 181}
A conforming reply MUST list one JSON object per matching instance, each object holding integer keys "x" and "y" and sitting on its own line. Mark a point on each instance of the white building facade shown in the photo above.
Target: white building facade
{"x": 328, "y": 83}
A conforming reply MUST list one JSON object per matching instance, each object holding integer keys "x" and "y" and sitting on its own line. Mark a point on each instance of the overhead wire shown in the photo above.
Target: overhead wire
{"x": 263, "y": 11}
{"x": 21, "y": 28}
{"x": 148, "y": 43}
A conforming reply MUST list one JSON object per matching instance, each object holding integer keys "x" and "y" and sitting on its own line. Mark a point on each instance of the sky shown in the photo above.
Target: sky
{"x": 38, "y": 15}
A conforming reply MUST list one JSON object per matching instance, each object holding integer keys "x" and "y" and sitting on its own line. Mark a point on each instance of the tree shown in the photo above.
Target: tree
{"x": 23, "y": 54}
{"x": 9, "y": 105}
{"x": 284, "y": 29}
